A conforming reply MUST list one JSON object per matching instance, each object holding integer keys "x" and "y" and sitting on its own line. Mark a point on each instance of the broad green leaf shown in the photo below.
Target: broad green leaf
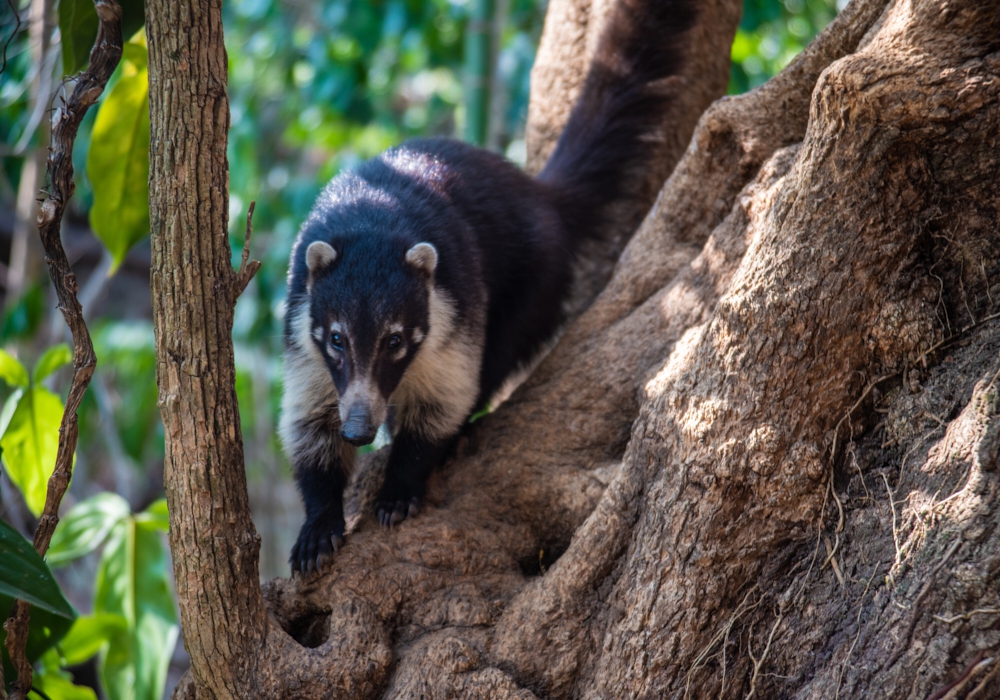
{"x": 30, "y": 441}
{"x": 118, "y": 165}
{"x": 12, "y": 371}
{"x": 85, "y": 527}
{"x": 77, "y": 32}
{"x": 24, "y": 575}
{"x": 136, "y": 53}
{"x": 8, "y": 410}
{"x": 133, "y": 581}
{"x": 88, "y": 634}
{"x": 52, "y": 359}
{"x": 58, "y": 685}
{"x": 155, "y": 517}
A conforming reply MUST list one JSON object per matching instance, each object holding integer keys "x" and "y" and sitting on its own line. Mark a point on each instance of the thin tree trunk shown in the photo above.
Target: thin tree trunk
{"x": 194, "y": 289}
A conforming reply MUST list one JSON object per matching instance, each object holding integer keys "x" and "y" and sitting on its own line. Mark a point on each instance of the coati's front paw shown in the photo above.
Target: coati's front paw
{"x": 318, "y": 539}
{"x": 394, "y": 505}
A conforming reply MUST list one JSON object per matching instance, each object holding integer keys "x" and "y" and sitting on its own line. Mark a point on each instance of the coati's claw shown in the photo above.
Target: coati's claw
{"x": 392, "y": 513}
{"x": 317, "y": 543}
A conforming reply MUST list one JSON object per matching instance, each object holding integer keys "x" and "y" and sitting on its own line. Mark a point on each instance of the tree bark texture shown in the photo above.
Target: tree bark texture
{"x": 194, "y": 289}
{"x": 762, "y": 464}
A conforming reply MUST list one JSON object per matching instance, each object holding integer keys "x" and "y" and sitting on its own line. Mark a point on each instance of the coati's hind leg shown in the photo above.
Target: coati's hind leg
{"x": 411, "y": 461}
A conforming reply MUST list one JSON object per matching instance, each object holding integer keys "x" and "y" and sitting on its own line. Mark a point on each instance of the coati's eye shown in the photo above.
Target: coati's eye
{"x": 395, "y": 340}
{"x": 337, "y": 342}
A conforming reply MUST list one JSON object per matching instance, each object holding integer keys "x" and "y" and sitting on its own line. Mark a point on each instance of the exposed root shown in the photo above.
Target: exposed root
{"x": 905, "y": 641}
{"x": 968, "y": 615}
{"x": 895, "y": 533}
{"x": 757, "y": 663}
{"x": 744, "y": 607}
{"x": 857, "y": 622}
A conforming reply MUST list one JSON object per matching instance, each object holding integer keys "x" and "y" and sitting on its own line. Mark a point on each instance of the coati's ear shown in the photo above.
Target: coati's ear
{"x": 319, "y": 255}
{"x": 424, "y": 257}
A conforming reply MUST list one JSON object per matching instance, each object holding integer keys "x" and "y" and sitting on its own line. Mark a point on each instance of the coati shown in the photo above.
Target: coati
{"x": 425, "y": 276}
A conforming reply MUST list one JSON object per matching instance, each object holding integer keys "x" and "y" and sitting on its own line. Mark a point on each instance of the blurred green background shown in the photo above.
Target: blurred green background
{"x": 314, "y": 87}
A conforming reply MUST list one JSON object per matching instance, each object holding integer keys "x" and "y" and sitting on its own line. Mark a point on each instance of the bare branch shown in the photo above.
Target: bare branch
{"x": 89, "y": 86}
{"x": 248, "y": 268}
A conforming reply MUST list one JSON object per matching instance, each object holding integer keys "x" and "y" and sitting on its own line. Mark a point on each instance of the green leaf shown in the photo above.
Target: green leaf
{"x": 133, "y": 17}
{"x": 58, "y": 685}
{"x": 88, "y": 634}
{"x": 85, "y": 527}
{"x": 24, "y": 575}
{"x": 77, "y": 31}
{"x": 155, "y": 517}
{"x": 30, "y": 440}
{"x": 12, "y": 371}
{"x": 55, "y": 357}
{"x": 118, "y": 165}
{"x": 133, "y": 581}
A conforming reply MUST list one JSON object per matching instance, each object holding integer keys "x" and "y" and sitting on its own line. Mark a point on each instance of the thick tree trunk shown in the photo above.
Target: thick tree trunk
{"x": 762, "y": 463}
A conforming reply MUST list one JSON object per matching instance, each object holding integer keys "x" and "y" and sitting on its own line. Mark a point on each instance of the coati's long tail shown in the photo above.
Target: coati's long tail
{"x": 621, "y": 107}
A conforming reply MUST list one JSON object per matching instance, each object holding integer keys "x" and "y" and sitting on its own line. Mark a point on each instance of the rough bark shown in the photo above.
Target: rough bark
{"x": 194, "y": 291}
{"x": 762, "y": 463}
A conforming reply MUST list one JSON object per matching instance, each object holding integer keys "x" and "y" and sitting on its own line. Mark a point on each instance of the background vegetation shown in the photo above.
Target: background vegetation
{"x": 314, "y": 88}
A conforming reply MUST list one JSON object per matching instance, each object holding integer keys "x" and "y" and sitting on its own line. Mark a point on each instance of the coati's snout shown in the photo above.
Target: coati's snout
{"x": 362, "y": 410}
{"x": 359, "y": 428}
{"x": 357, "y": 424}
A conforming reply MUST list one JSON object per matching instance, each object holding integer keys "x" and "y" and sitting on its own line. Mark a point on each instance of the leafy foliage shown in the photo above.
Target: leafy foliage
{"x": 133, "y": 582}
{"x": 771, "y": 33}
{"x": 24, "y": 575}
{"x": 86, "y": 527}
{"x": 118, "y": 159}
{"x": 133, "y": 599}
{"x": 78, "y": 29}
{"x": 29, "y": 425}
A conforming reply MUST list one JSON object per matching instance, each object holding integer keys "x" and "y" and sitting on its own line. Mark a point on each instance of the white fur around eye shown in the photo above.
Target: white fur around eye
{"x": 418, "y": 336}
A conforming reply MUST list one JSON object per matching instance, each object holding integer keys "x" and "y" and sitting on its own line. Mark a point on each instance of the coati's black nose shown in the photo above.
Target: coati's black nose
{"x": 358, "y": 428}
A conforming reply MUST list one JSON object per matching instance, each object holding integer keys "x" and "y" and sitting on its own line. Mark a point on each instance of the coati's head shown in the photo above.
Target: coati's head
{"x": 369, "y": 314}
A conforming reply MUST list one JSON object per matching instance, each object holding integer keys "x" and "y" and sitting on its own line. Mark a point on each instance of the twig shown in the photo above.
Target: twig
{"x": 17, "y": 28}
{"x": 968, "y": 615}
{"x": 104, "y": 58}
{"x": 963, "y": 676}
{"x": 955, "y": 336}
{"x": 991, "y": 681}
{"x": 757, "y": 663}
{"x": 831, "y": 558}
{"x": 248, "y": 268}
{"x": 916, "y": 604}
{"x": 895, "y": 532}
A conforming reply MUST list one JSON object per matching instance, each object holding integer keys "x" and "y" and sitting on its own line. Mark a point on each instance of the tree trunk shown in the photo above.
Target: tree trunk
{"x": 762, "y": 463}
